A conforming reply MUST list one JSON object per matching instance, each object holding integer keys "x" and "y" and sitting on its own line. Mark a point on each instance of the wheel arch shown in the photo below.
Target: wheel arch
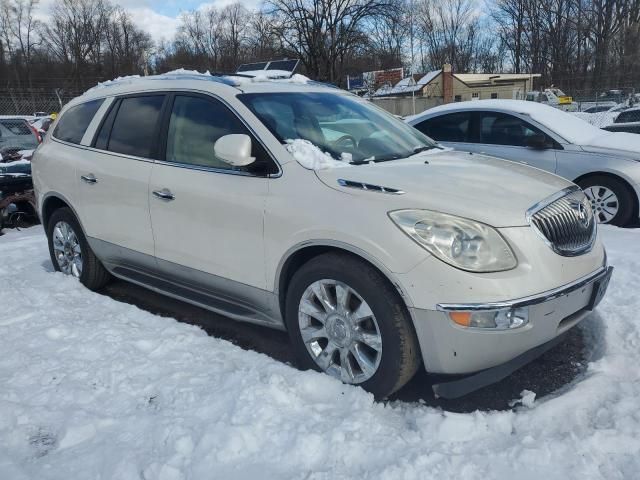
{"x": 614, "y": 176}
{"x": 52, "y": 202}
{"x": 301, "y": 254}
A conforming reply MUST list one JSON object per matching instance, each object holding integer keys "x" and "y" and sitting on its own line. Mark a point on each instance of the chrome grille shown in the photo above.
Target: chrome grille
{"x": 565, "y": 221}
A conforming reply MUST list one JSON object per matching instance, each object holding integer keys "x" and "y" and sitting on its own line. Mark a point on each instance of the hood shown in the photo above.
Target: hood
{"x": 617, "y": 143}
{"x": 493, "y": 191}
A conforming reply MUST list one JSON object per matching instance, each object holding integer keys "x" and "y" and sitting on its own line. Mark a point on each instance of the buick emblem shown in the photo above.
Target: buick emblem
{"x": 582, "y": 213}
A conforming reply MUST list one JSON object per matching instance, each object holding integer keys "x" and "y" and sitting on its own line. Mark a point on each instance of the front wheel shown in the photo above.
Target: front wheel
{"x": 70, "y": 252}
{"x": 345, "y": 319}
{"x": 610, "y": 200}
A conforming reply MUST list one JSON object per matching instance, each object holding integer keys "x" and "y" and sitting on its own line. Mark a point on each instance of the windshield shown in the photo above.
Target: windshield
{"x": 346, "y": 127}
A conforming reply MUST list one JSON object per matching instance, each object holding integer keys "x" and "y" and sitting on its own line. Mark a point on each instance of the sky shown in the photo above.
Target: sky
{"x": 159, "y": 18}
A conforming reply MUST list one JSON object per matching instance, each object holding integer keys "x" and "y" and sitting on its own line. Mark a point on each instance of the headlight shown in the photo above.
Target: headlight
{"x": 460, "y": 242}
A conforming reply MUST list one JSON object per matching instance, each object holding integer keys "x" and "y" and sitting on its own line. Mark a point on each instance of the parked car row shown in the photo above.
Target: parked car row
{"x": 308, "y": 209}
{"x": 604, "y": 164}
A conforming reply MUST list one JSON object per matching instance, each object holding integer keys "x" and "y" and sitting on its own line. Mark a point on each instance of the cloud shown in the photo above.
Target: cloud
{"x": 159, "y": 19}
{"x": 160, "y": 27}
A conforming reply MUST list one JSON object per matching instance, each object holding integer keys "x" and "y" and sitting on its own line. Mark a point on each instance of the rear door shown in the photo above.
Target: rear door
{"x": 113, "y": 180}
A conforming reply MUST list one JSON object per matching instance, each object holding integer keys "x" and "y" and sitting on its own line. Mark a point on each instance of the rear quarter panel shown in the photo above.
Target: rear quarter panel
{"x": 54, "y": 172}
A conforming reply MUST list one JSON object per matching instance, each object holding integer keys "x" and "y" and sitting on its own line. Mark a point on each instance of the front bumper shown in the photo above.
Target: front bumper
{"x": 486, "y": 355}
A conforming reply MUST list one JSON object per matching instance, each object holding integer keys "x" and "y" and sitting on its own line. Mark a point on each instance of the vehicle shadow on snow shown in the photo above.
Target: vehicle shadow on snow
{"x": 550, "y": 373}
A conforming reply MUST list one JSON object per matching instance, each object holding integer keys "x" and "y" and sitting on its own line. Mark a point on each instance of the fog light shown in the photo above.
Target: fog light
{"x": 503, "y": 319}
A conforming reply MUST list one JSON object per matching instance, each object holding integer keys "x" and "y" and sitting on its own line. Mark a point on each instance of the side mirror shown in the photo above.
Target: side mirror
{"x": 234, "y": 149}
{"x": 538, "y": 141}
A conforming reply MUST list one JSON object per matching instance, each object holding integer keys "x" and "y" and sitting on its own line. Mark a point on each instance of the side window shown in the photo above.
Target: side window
{"x": 196, "y": 123}
{"x": 134, "y": 126}
{"x": 503, "y": 129}
{"x": 627, "y": 117}
{"x": 453, "y": 127}
{"x": 75, "y": 121}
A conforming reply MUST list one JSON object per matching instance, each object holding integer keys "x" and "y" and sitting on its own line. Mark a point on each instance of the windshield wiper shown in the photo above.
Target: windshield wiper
{"x": 423, "y": 148}
{"x": 395, "y": 156}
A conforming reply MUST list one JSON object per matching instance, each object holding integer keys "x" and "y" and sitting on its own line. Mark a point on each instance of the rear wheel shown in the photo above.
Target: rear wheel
{"x": 345, "y": 319}
{"x": 611, "y": 200}
{"x": 70, "y": 252}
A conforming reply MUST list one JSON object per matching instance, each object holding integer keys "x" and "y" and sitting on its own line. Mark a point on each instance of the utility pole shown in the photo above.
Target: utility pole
{"x": 411, "y": 72}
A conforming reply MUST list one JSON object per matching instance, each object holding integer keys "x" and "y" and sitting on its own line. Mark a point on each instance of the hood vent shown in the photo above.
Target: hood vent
{"x": 367, "y": 186}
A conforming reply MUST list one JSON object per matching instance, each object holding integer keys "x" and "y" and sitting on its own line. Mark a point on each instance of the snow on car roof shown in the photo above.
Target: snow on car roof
{"x": 573, "y": 129}
{"x": 271, "y": 80}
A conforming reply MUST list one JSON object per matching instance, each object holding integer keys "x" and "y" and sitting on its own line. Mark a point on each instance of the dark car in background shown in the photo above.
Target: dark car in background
{"x": 18, "y": 140}
{"x": 627, "y": 121}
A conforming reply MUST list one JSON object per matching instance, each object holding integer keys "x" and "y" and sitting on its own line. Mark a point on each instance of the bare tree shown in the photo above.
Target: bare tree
{"x": 450, "y": 29}
{"x": 18, "y": 26}
{"x": 322, "y": 32}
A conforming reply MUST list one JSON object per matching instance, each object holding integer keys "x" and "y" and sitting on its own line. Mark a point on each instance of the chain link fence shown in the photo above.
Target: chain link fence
{"x": 26, "y": 102}
{"x": 588, "y": 99}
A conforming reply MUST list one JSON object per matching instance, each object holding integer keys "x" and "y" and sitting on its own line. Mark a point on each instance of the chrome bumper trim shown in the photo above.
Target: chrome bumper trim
{"x": 526, "y": 301}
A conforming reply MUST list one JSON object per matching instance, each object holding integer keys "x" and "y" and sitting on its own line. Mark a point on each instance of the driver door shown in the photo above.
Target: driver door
{"x": 207, "y": 216}
{"x": 505, "y": 136}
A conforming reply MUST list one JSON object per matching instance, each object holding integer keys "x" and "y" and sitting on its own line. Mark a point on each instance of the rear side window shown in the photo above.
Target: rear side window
{"x": 134, "y": 127}
{"x": 453, "y": 127}
{"x": 75, "y": 121}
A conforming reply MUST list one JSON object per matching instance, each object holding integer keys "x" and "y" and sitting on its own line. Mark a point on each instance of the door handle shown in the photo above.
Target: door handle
{"x": 91, "y": 178}
{"x": 164, "y": 194}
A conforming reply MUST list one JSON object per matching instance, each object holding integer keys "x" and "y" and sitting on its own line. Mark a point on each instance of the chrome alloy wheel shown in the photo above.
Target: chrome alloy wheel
{"x": 340, "y": 331}
{"x": 604, "y": 203}
{"x": 66, "y": 247}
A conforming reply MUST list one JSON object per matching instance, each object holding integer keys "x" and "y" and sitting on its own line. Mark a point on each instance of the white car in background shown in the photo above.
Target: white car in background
{"x": 604, "y": 164}
{"x": 627, "y": 121}
{"x": 603, "y": 118}
{"x": 303, "y": 207}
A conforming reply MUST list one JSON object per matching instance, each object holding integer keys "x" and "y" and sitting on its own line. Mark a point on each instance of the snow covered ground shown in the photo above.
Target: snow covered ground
{"x": 91, "y": 388}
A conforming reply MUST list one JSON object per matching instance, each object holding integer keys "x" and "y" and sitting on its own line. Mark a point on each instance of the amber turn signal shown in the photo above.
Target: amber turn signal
{"x": 461, "y": 318}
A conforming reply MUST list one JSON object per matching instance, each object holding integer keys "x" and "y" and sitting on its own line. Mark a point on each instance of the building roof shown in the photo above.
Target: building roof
{"x": 408, "y": 84}
{"x": 490, "y": 78}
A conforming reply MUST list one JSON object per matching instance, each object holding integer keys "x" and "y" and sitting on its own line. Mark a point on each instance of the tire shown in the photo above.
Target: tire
{"x": 598, "y": 188}
{"x": 398, "y": 357}
{"x": 93, "y": 275}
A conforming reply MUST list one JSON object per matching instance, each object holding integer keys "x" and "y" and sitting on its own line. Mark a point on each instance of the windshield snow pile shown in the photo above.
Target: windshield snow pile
{"x": 311, "y": 157}
{"x": 92, "y": 388}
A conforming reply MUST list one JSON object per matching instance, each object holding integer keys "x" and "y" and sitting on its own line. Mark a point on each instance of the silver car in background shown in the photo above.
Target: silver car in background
{"x": 606, "y": 165}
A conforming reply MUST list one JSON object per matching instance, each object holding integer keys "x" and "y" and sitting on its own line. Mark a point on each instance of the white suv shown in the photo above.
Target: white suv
{"x": 299, "y": 206}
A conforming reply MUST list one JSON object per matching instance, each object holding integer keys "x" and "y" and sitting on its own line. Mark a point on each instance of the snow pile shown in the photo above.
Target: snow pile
{"x": 310, "y": 156}
{"x": 267, "y": 76}
{"x": 183, "y": 71}
{"x": 116, "y": 81}
{"x": 617, "y": 140}
{"x": 94, "y": 388}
